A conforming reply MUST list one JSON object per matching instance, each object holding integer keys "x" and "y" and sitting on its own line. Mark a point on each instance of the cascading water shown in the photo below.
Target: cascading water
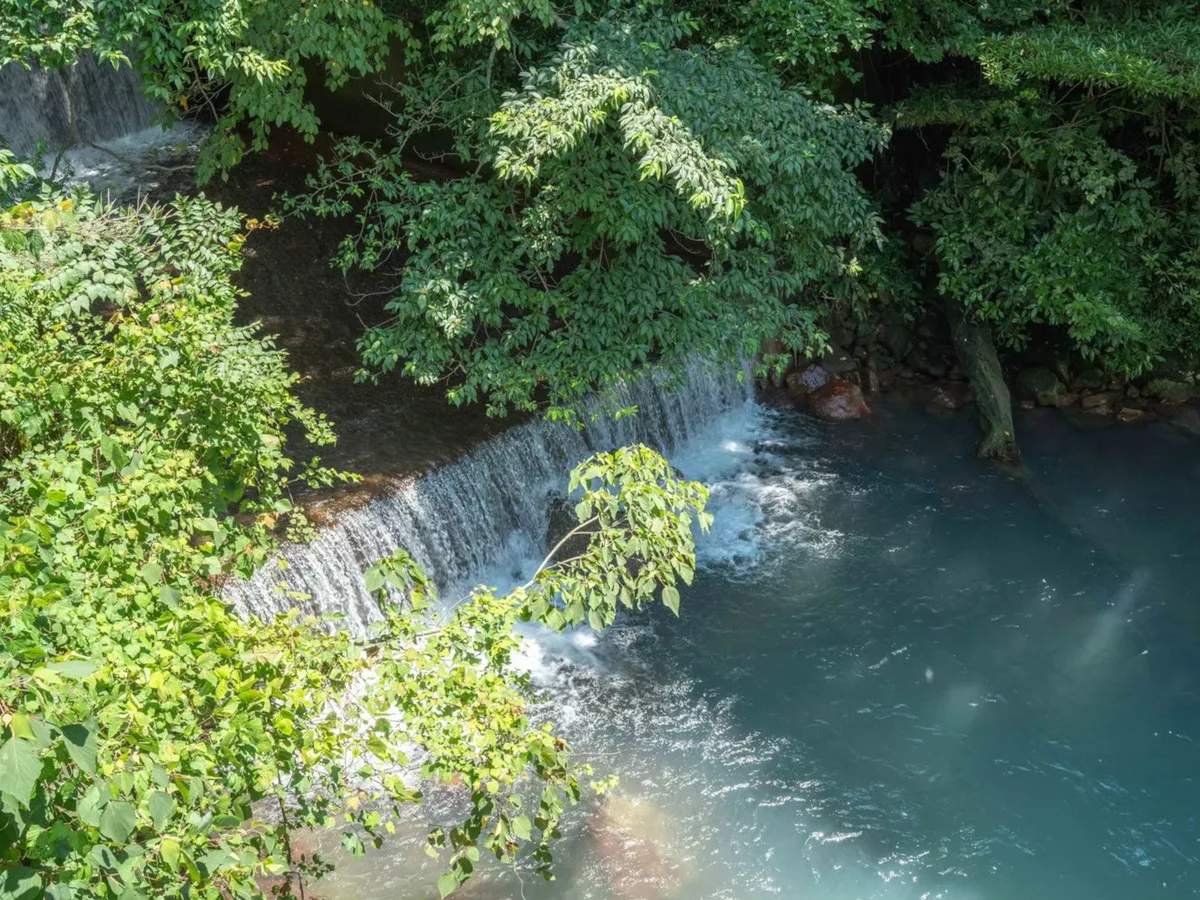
{"x": 96, "y": 124}
{"x": 37, "y": 104}
{"x": 489, "y": 507}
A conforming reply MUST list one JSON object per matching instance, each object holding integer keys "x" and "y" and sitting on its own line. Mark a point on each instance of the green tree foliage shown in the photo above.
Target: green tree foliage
{"x": 1068, "y": 195}
{"x": 640, "y": 197}
{"x": 152, "y": 742}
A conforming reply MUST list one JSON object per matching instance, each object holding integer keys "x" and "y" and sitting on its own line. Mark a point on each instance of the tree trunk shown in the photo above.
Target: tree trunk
{"x": 973, "y": 341}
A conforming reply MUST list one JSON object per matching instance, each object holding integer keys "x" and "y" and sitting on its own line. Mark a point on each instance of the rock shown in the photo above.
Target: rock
{"x": 838, "y": 362}
{"x": 1102, "y": 404}
{"x": 1066, "y": 399}
{"x": 895, "y": 339}
{"x": 838, "y": 401}
{"x": 924, "y": 361}
{"x": 842, "y": 335}
{"x": 1089, "y": 378}
{"x": 950, "y": 396}
{"x": 803, "y": 382}
{"x": 1128, "y": 415}
{"x": 874, "y": 385}
{"x": 1028, "y": 404}
{"x": 1132, "y": 392}
{"x": 1170, "y": 391}
{"x": 1040, "y": 385}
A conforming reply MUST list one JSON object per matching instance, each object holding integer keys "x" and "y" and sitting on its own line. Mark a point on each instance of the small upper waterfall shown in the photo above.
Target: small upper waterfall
{"x": 490, "y": 506}
{"x": 107, "y": 103}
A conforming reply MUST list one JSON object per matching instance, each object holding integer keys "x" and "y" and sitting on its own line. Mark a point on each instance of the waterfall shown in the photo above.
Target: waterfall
{"x": 108, "y": 103}
{"x": 490, "y": 506}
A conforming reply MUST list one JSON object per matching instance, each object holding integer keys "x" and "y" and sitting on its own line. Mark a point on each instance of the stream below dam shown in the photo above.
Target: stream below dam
{"x": 901, "y": 674}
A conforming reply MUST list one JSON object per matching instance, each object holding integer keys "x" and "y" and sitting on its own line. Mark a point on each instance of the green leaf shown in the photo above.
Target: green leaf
{"x": 522, "y": 827}
{"x": 169, "y": 851}
{"x": 375, "y": 579}
{"x": 118, "y": 821}
{"x": 90, "y": 807}
{"x": 161, "y": 806}
{"x": 22, "y": 726}
{"x": 447, "y": 884}
{"x": 61, "y": 892}
{"x": 20, "y": 883}
{"x": 20, "y": 768}
{"x": 73, "y": 668}
{"x": 670, "y": 598}
{"x": 81, "y": 744}
{"x": 151, "y": 573}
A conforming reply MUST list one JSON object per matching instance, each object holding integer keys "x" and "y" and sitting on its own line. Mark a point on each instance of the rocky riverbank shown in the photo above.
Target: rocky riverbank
{"x": 918, "y": 360}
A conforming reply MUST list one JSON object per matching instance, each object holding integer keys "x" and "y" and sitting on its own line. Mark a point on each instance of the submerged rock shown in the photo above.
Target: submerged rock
{"x": 1128, "y": 415}
{"x": 838, "y": 401}
{"x": 638, "y": 848}
{"x": 1040, "y": 385}
{"x": 1188, "y": 422}
{"x": 951, "y": 396}
{"x": 1102, "y": 404}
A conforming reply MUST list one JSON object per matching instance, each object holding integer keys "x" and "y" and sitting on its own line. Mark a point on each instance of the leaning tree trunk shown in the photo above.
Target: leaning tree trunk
{"x": 973, "y": 341}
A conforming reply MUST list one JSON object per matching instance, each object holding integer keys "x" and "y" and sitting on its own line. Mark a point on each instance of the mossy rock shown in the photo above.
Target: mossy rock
{"x": 1040, "y": 385}
{"x": 1170, "y": 391}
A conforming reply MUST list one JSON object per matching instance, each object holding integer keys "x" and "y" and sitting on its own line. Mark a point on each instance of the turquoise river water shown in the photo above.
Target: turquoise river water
{"x": 901, "y": 674}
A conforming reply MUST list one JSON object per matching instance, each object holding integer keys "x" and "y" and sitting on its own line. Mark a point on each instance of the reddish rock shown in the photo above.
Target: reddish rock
{"x": 803, "y": 382}
{"x": 839, "y": 401}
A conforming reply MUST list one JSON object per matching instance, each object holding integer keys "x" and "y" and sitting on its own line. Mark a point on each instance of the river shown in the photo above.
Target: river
{"x": 900, "y": 675}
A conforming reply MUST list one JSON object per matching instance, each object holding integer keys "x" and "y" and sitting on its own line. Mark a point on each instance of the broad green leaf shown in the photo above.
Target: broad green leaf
{"x": 521, "y": 827}
{"x": 169, "y": 851}
{"x": 161, "y": 806}
{"x": 118, "y": 821}
{"x": 447, "y": 884}
{"x": 73, "y": 668}
{"x": 81, "y": 744}
{"x": 22, "y": 726}
{"x": 20, "y": 768}
{"x": 20, "y": 883}
{"x": 91, "y": 807}
{"x": 670, "y": 598}
{"x": 151, "y": 573}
